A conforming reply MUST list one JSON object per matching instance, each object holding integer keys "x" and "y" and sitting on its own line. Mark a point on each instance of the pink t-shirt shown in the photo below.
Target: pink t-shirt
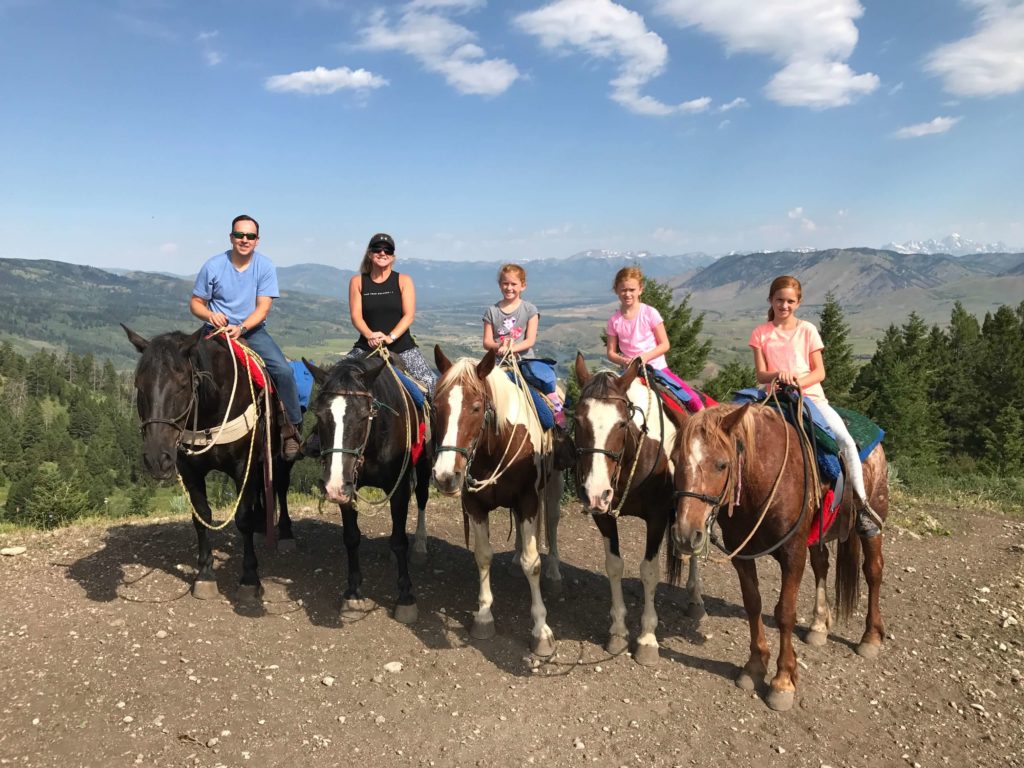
{"x": 790, "y": 351}
{"x": 636, "y": 336}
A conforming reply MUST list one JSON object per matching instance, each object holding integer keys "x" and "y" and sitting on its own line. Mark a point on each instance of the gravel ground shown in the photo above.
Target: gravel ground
{"x": 108, "y": 660}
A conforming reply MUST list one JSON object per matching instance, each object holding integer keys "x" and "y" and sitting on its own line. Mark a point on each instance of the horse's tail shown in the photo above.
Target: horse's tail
{"x": 673, "y": 562}
{"x": 848, "y": 559}
{"x": 465, "y": 526}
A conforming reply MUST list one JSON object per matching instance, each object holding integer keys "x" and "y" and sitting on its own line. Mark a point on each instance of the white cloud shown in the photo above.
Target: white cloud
{"x": 896, "y": 88}
{"x": 724, "y": 124}
{"x": 321, "y": 81}
{"x": 739, "y": 101}
{"x": 607, "y": 30}
{"x": 797, "y": 214}
{"x": 168, "y": 248}
{"x": 938, "y": 125}
{"x": 668, "y": 236}
{"x": 990, "y": 62}
{"x": 812, "y": 38}
{"x": 211, "y": 55}
{"x": 442, "y": 46}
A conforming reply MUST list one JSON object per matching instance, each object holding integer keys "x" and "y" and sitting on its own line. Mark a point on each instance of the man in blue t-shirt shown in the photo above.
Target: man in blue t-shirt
{"x": 235, "y": 290}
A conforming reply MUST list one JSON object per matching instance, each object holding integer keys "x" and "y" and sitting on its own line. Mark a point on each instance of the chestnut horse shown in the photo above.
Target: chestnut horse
{"x": 366, "y": 421}
{"x": 623, "y": 439}
{"x": 492, "y": 451}
{"x": 748, "y": 469}
{"x": 185, "y": 386}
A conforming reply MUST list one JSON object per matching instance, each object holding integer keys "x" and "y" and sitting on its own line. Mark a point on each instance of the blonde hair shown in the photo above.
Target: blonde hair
{"x": 780, "y": 282}
{"x": 628, "y": 273}
{"x": 515, "y": 269}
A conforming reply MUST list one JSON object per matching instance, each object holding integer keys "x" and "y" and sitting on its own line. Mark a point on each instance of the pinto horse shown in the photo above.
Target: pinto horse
{"x": 747, "y": 468}
{"x": 492, "y": 451}
{"x": 191, "y": 389}
{"x": 366, "y": 422}
{"x": 623, "y": 467}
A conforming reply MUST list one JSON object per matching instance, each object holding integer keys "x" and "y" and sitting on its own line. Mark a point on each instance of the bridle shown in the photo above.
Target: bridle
{"x": 182, "y": 417}
{"x": 359, "y": 454}
{"x": 490, "y": 419}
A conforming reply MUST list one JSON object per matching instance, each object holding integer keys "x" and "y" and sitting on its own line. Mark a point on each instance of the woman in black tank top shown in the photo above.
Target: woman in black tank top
{"x": 382, "y": 304}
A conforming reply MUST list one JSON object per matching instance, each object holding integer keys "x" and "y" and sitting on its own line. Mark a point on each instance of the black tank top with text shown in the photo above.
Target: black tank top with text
{"x": 382, "y": 309}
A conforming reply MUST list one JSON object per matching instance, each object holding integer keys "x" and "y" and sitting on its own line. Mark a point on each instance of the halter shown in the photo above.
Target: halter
{"x": 616, "y": 456}
{"x": 357, "y": 453}
{"x": 490, "y": 417}
{"x": 192, "y": 401}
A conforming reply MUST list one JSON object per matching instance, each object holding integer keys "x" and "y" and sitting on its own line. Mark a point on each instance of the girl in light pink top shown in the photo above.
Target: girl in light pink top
{"x": 636, "y": 329}
{"x": 787, "y": 350}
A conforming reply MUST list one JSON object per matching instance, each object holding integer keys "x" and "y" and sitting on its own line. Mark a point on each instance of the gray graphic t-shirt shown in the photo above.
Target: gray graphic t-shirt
{"x": 511, "y": 323}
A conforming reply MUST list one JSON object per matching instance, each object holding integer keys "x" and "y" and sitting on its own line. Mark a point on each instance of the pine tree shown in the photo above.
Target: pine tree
{"x": 56, "y": 499}
{"x": 732, "y": 377}
{"x": 840, "y": 369}
{"x": 687, "y": 355}
{"x": 1004, "y": 443}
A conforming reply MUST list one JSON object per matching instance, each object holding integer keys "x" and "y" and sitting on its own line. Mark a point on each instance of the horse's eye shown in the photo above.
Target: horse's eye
{"x": 721, "y": 465}
{"x": 476, "y": 407}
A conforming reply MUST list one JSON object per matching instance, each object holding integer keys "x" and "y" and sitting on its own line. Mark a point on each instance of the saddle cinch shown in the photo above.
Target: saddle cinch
{"x": 865, "y": 433}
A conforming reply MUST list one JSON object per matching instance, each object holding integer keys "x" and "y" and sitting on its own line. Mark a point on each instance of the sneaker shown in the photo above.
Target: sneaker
{"x": 560, "y": 419}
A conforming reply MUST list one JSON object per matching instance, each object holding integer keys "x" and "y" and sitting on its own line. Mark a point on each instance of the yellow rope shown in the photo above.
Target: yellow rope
{"x": 385, "y": 355}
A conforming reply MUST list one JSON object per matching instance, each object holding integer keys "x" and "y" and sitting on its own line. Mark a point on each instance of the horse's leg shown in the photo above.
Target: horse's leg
{"x": 352, "y": 603}
{"x": 205, "y": 585}
{"x": 552, "y": 576}
{"x": 618, "y": 635}
{"x": 874, "y": 631}
{"x": 647, "y": 641}
{"x": 822, "y": 621}
{"x": 249, "y": 588}
{"x": 282, "y": 481}
{"x": 483, "y": 620}
{"x": 756, "y": 668}
{"x": 792, "y": 559}
{"x": 543, "y": 641}
{"x": 419, "y": 546}
{"x": 405, "y": 609}
{"x": 695, "y": 591}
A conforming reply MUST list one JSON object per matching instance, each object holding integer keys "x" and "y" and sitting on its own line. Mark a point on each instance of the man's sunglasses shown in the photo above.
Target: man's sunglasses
{"x": 383, "y": 249}
{"x": 245, "y": 236}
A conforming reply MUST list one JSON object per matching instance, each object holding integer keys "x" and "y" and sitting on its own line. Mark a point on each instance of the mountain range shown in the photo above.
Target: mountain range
{"x": 50, "y": 304}
{"x": 953, "y": 245}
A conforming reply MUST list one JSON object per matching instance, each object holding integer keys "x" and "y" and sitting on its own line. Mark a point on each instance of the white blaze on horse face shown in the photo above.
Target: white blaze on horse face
{"x": 603, "y": 418}
{"x": 444, "y": 467}
{"x": 694, "y": 459}
{"x": 334, "y": 475}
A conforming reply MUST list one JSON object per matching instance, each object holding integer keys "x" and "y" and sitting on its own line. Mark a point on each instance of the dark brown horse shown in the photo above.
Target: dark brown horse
{"x": 623, "y": 437}
{"x": 493, "y": 452}
{"x": 186, "y": 385}
{"x": 746, "y": 468}
{"x": 366, "y": 422}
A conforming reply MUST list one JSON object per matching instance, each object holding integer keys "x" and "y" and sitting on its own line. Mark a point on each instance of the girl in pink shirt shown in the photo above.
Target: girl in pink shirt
{"x": 638, "y": 330}
{"x": 788, "y": 351}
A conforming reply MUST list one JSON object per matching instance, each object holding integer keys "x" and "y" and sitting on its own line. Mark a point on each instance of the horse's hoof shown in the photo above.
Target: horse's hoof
{"x": 868, "y": 650}
{"x": 543, "y": 647}
{"x": 482, "y": 630}
{"x": 406, "y": 614}
{"x": 354, "y": 608}
{"x": 816, "y": 637}
{"x": 745, "y": 682}
{"x": 696, "y": 611}
{"x": 205, "y": 590}
{"x": 249, "y": 593}
{"x": 647, "y": 655}
{"x": 780, "y": 701}
{"x": 287, "y": 546}
{"x": 418, "y": 557}
{"x": 616, "y": 644}
{"x": 552, "y": 587}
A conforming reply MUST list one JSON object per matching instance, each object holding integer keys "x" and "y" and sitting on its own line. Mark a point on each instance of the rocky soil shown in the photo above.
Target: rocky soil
{"x": 107, "y": 660}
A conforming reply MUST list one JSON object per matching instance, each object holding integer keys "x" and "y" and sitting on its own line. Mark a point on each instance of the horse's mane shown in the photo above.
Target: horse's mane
{"x": 601, "y": 384}
{"x": 707, "y": 424}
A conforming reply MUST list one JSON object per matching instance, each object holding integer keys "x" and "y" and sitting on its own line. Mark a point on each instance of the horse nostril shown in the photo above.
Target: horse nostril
{"x": 697, "y": 541}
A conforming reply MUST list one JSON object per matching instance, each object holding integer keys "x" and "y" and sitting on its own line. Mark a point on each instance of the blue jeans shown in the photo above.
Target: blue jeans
{"x": 280, "y": 371}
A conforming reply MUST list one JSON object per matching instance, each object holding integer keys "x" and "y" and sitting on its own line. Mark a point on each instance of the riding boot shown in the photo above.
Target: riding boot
{"x": 291, "y": 439}
{"x": 868, "y": 521}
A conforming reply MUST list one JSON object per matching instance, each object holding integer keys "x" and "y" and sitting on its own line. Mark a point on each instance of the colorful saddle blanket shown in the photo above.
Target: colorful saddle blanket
{"x": 676, "y": 393}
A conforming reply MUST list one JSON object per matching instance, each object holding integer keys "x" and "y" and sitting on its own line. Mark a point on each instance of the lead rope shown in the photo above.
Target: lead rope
{"x": 252, "y": 439}
{"x": 385, "y": 355}
{"x": 651, "y": 395}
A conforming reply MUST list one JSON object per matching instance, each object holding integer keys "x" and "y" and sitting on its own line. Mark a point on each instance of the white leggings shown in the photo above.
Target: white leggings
{"x": 848, "y": 448}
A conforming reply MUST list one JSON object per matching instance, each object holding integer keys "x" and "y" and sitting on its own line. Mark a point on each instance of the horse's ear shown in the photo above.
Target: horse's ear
{"x": 319, "y": 374}
{"x": 632, "y": 371}
{"x": 485, "y": 366}
{"x": 137, "y": 341}
{"x": 192, "y": 340}
{"x": 730, "y": 422}
{"x": 373, "y": 369}
{"x": 443, "y": 363}
{"x": 582, "y": 374}
{"x": 678, "y": 418}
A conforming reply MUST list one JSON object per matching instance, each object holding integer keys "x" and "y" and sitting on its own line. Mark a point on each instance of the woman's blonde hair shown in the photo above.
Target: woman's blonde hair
{"x": 780, "y": 282}
{"x": 515, "y": 269}
{"x": 628, "y": 273}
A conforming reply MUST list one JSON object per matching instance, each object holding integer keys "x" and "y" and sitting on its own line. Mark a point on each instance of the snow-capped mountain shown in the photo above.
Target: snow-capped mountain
{"x": 954, "y": 245}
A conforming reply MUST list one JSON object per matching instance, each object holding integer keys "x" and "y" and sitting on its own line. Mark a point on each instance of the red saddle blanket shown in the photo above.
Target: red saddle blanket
{"x": 246, "y": 357}
{"x": 823, "y": 518}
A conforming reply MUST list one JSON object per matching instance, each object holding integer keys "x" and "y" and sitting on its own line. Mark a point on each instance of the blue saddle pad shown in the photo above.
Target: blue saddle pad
{"x": 547, "y": 416}
{"x": 412, "y": 387}
{"x": 303, "y": 382}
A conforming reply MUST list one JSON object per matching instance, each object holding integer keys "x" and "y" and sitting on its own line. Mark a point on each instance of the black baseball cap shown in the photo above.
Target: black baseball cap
{"x": 382, "y": 238}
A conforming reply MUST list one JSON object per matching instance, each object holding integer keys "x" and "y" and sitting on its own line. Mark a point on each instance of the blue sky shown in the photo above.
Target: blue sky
{"x": 132, "y": 131}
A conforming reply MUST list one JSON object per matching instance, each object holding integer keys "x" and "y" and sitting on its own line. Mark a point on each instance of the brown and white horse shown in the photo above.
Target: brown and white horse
{"x": 623, "y": 437}
{"x": 746, "y": 468}
{"x": 492, "y": 451}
